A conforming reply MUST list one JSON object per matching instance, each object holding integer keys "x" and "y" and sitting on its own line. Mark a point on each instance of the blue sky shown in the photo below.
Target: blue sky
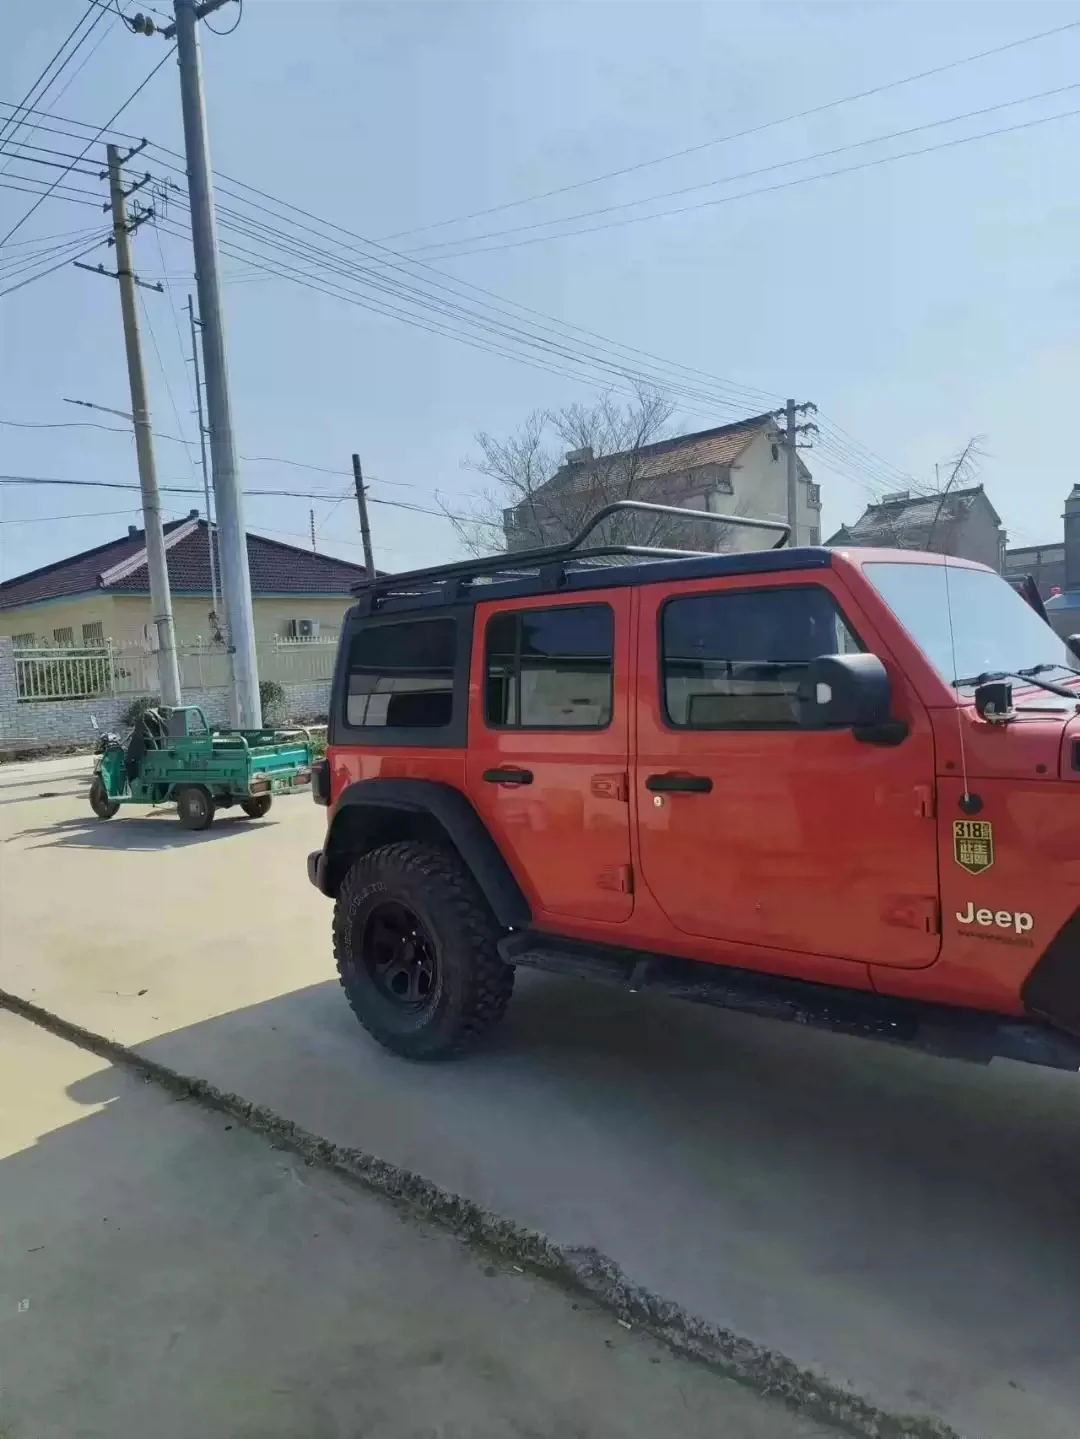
{"x": 918, "y": 303}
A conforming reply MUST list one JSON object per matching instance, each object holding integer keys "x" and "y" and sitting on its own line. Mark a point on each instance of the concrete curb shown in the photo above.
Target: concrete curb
{"x": 584, "y": 1271}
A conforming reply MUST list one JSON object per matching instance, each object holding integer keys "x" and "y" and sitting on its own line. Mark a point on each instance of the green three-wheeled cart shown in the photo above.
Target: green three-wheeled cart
{"x": 174, "y": 757}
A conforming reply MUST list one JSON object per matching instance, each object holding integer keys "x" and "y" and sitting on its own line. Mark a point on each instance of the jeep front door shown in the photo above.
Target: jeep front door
{"x": 753, "y": 830}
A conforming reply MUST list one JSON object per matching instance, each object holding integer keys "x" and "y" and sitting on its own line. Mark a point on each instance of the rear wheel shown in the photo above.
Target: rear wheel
{"x": 194, "y": 807}
{"x": 256, "y": 808}
{"x": 100, "y": 803}
{"x": 415, "y": 943}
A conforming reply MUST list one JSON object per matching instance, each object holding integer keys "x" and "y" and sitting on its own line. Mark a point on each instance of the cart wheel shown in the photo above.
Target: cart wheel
{"x": 194, "y": 807}
{"x": 100, "y": 803}
{"x": 257, "y": 807}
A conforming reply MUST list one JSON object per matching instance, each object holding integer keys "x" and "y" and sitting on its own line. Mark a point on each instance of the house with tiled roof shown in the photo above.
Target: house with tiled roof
{"x": 962, "y": 523}
{"x": 735, "y": 469}
{"x": 103, "y": 593}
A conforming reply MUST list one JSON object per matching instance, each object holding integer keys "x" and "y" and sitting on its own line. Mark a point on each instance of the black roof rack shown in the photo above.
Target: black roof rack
{"x": 548, "y": 563}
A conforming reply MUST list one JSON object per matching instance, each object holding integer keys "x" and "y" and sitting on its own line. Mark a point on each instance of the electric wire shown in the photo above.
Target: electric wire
{"x": 805, "y": 114}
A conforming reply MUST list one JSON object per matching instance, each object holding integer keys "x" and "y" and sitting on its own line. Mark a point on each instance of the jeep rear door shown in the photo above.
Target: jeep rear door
{"x": 756, "y": 831}
{"x": 548, "y": 756}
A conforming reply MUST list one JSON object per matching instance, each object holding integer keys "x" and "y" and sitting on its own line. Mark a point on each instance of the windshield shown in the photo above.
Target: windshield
{"x": 994, "y": 631}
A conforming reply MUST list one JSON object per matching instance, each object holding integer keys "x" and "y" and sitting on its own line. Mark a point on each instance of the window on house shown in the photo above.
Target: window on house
{"x": 64, "y": 636}
{"x": 402, "y": 675}
{"x": 26, "y": 641}
{"x": 815, "y": 535}
{"x": 550, "y": 668}
{"x": 734, "y": 660}
{"x": 93, "y": 635}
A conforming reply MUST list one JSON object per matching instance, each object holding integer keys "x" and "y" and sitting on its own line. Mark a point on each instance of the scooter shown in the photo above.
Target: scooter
{"x": 105, "y": 740}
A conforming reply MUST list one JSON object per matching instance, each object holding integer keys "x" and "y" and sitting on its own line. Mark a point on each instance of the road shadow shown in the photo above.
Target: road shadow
{"x": 905, "y": 1224}
{"x": 134, "y": 832}
{"x": 165, "y": 1271}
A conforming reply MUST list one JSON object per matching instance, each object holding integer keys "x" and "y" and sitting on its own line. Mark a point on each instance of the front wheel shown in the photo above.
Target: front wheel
{"x": 415, "y": 945}
{"x": 100, "y": 803}
{"x": 257, "y": 807}
{"x": 194, "y": 807}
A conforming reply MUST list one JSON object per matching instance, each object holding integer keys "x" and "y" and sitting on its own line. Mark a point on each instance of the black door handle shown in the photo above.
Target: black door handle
{"x": 686, "y": 783}
{"x": 508, "y": 776}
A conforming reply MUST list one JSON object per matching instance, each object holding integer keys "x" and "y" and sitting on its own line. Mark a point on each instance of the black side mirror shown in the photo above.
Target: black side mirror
{"x": 844, "y": 692}
{"x": 1072, "y": 644}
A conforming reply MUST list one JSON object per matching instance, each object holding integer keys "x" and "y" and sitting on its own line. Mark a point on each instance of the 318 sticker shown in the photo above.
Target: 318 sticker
{"x": 973, "y": 844}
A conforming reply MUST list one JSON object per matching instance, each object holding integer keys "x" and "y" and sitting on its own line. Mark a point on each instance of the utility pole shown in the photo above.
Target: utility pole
{"x": 790, "y": 440}
{"x": 365, "y": 528}
{"x": 202, "y": 458}
{"x": 232, "y": 535}
{"x": 156, "y": 563}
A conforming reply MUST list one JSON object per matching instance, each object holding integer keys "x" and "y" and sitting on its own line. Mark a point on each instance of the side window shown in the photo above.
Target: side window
{"x": 550, "y": 669}
{"x": 402, "y": 675}
{"x": 734, "y": 660}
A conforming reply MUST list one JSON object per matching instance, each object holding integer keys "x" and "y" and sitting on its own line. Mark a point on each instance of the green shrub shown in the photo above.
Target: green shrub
{"x": 272, "y": 699}
{"x": 137, "y": 708}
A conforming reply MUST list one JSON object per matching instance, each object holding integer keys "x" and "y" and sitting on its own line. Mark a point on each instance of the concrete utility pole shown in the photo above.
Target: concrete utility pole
{"x": 790, "y": 439}
{"x": 232, "y": 535}
{"x": 365, "y": 528}
{"x": 202, "y": 458}
{"x": 156, "y": 563}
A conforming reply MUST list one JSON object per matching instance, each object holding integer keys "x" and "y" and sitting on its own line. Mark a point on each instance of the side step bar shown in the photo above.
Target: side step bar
{"x": 935, "y": 1029}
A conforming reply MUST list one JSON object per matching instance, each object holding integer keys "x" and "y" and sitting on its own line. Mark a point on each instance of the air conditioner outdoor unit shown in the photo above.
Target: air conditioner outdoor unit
{"x": 303, "y": 629}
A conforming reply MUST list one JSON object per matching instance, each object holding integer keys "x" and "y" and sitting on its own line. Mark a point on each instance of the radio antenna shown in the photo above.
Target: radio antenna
{"x": 963, "y": 468}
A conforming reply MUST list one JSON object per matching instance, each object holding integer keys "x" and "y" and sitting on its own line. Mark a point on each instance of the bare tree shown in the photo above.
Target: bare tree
{"x": 945, "y": 517}
{"x": 535, "y": 496}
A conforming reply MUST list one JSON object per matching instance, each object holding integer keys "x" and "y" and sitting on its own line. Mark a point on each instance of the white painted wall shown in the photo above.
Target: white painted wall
{"x": 759, "y": 491}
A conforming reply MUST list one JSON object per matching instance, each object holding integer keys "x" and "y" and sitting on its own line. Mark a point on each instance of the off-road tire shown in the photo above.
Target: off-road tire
{"x": 472, "y": 986}
{"x": 257, "y": 807}
{"x": 194, "y": 807}
{"x": 100, "y": 803}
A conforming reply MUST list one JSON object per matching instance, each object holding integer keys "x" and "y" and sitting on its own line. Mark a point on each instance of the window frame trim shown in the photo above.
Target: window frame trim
{"x": 546, "y": 728}
{"x": 765, "y": 727}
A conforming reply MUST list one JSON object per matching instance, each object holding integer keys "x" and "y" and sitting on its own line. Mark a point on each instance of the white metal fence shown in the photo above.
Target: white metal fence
{"x": 57, "y": 674}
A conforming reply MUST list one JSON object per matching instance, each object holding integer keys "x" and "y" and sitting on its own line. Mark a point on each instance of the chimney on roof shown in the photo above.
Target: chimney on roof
{"x": 133, "y": 532}
{"x": 576, "y": 459}
{"x": 193, "y": 514}
{"x": 1072, "y": 539}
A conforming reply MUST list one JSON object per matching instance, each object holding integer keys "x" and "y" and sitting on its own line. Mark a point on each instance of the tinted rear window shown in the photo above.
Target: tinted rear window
{"x": 401, "y": 676}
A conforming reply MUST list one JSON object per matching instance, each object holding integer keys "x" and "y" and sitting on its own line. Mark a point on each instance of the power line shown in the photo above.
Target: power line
{"x": 16, "y": 264}
{"x": 769, "y": 189}
{"x": 750, "y": 174}
{"x": 41, "y": 85}
{"x": 179, "y": 440}
{"x": 663, "y": 371}
{"x": 742, "y": 134}
{"x": 59, "y": 265}
{"x": 82, "y": 515}
{"x": 136, "y": 92}
{"x": 38, "y": 480}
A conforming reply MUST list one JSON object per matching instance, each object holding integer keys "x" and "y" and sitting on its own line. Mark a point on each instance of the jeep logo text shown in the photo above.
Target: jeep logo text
{"x": 1001, "y": 918}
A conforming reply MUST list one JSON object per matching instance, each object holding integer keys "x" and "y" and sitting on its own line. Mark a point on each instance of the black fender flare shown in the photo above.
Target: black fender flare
{"x": 459, "y": 821}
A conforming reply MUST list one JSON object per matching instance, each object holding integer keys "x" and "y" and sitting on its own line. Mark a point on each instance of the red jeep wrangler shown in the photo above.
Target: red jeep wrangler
{"x": 835, "y": 786}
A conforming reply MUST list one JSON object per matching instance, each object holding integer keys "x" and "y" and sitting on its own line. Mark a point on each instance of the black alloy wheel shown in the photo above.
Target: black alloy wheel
{"x": 399, "y": 956}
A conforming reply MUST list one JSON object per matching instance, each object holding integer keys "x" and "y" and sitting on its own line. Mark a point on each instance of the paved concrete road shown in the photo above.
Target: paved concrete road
{"x": 906, "y": 1226}
{"x": 161, "y": 1274}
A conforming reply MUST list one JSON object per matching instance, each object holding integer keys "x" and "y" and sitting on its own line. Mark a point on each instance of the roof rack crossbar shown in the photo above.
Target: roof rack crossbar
{"x": 521, "y": 562}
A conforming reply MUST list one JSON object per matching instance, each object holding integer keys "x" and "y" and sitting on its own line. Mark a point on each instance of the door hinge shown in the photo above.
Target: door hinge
{"x": 620, "y": 879}
{"x": 924, "y": 801}
{"x": 611, "y": 786}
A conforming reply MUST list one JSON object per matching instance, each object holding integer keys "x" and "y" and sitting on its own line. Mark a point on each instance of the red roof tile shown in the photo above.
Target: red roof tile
{"x": 276, "y": 568}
